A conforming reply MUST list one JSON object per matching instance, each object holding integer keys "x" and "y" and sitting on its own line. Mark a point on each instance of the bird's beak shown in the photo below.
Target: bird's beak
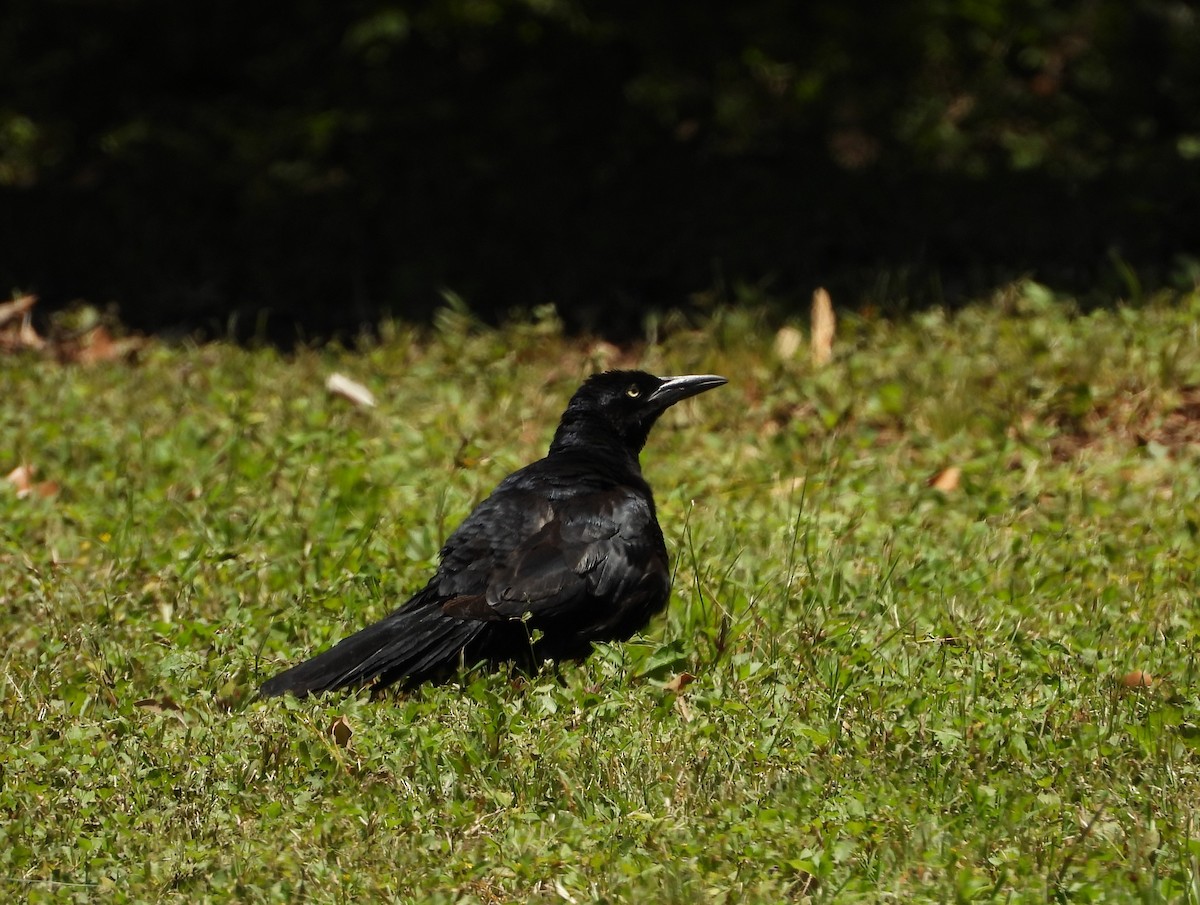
{"x": 674, "y": 389}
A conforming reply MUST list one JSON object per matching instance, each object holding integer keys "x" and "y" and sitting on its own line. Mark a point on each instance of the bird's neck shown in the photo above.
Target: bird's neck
{"x": 596, "y": 440}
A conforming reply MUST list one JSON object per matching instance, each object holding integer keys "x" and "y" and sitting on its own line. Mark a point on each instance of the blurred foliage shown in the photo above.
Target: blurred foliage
{"x": 334, "y": 162}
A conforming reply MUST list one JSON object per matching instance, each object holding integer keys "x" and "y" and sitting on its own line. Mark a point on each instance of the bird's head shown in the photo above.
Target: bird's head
{"x": 622, "y": 406}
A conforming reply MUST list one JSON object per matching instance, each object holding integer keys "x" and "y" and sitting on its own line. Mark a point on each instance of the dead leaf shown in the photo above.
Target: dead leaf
{"x": 343, "y": 386}
{"x": 45, "y": 489}
{"x": 824, "y": 325}
{"x": 98, "y": 345}
{"x": 341, "y": 732}
{"x": 787, "y": 343}
{"x": 21, "y": 478}
{"x": 947, "y": 479}
{"x": 158, "y": 705}
{"x": 680, "y": 682}
{"x": 16, "y": 325}
{"x": 1137, "y": 679}
{"x": 17, "y": 308}
{"x": 88, "y": 346}
{"x": 27, "y": 337}
{"x": 685, "y": 709}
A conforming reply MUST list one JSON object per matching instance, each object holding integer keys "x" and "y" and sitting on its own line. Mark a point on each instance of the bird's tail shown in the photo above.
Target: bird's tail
{"x": 416, "y": 643}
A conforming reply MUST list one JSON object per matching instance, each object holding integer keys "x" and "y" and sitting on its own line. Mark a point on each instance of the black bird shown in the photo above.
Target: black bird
{"x": 565, "y": 552}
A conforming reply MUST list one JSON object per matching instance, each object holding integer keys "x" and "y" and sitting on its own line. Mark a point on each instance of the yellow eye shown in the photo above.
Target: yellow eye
{"x": 634, "y": 391}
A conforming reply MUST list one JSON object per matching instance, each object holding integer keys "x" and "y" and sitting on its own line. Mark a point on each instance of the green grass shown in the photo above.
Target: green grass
{"x": 900, "y": 694}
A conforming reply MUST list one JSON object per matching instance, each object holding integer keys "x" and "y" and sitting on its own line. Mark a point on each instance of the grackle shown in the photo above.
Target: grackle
{"x": 565, "y": 552}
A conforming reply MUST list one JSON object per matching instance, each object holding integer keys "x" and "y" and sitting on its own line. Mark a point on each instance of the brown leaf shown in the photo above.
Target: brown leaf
{"x": 1137, "y": 679}
{"x": 947, "y": 479}
{"x": 341, "y": 732}
{"x": 343, "y": 386}
{"x": 27, "y": 337}
{"x": 680, "y": 682}
{"x": 16, "y": 325}
{"x": 21, "y": 478}
{"x": 17, "y": 308}
{"x": 158, "y": 705}
{"x": 98, "y": 345}
{"x": 685, "y": 710}
{"x": 824, "y": 325}
{"x": 45, "y": 489}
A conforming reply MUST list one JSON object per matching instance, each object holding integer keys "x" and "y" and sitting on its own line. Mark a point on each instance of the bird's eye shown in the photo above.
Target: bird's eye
{"x": 634, "y": 391}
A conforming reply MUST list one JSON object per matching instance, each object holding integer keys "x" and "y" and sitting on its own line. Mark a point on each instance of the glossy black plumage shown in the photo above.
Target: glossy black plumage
{"x": 567, "y": 550}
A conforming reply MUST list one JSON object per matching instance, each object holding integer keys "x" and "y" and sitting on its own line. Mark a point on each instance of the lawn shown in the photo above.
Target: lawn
{"x": 933, "y": 634}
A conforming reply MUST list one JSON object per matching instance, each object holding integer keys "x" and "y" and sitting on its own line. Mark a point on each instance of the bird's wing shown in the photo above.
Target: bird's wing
{"x": 598, "y": 545}
{"x": 486, "y": 539}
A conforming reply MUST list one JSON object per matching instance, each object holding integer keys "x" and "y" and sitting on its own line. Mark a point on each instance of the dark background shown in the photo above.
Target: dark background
{"x": 333, "y": 162}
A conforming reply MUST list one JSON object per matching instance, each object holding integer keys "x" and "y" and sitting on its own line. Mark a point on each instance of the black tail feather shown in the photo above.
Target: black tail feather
{"x": 415, "y": 643}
